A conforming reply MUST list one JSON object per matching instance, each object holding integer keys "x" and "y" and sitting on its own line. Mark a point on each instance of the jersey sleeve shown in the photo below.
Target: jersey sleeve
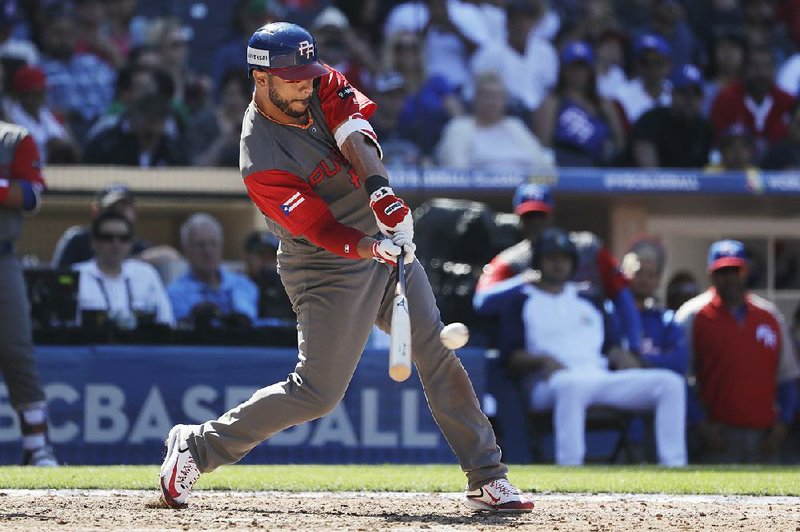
{"x": 285, "y": 199}
{"x": 613, "y": 279}
{"x": 27, "y": 163}
{"x": 346, "y": 109}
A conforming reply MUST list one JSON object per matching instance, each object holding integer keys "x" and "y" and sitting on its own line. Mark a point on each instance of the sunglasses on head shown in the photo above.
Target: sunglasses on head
{"x": 108, "y": 237}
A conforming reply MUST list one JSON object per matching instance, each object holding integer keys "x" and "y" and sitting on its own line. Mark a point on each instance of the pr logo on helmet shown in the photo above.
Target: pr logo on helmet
{"x": 306, "y": 49}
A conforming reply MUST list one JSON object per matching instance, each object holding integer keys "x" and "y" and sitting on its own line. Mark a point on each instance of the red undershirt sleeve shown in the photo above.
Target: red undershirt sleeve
{"x": 290, "y": 202}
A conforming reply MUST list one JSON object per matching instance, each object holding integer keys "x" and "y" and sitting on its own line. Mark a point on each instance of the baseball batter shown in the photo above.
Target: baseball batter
{"x": 311, "y": 162}
{"x": 21, "y": 182}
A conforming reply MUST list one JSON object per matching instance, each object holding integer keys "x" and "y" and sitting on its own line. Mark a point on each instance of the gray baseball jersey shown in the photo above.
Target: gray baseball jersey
{"x": 297, "y": 176}
{"x": 19, "y": 160}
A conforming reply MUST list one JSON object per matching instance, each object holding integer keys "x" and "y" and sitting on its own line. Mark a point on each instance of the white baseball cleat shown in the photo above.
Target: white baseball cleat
{"x": 498, "y": 496}
{"x": 178, "y": 472}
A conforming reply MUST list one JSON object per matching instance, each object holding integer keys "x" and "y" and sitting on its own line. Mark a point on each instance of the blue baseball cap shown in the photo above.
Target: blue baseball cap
{"x": 726, "y": 254}
{"x": 577, "y": 51}
{"x": 651, "y": 41}
{"x": 532, "y": 198}
{"x": 688, "y": 76}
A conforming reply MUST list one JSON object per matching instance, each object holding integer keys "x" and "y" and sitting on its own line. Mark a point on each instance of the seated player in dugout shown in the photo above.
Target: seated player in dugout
{"x": 597, "y": 273}
{"x": 557, "y": 341}
{"x": 311, "y": 162}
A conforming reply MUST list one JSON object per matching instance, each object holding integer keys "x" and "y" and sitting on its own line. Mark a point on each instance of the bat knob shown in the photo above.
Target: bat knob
{"x": 400, "y": 373}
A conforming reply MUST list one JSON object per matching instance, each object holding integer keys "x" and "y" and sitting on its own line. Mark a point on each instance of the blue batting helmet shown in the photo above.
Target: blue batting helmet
{"x": 554, "y": 240}
{"x": 286, "y": 50}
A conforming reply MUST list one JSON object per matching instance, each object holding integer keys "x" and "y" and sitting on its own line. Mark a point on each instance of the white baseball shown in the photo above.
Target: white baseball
{"x": 454, "y": 335}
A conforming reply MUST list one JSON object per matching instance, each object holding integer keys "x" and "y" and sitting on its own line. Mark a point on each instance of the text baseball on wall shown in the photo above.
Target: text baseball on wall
{"x": 115, "y": 405}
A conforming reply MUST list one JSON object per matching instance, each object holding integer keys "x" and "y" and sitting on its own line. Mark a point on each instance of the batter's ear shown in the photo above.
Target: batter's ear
{"x": 260, "y": 77}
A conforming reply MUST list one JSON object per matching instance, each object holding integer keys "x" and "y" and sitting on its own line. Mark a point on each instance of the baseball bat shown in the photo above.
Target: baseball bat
{"x": 400, "y": 344}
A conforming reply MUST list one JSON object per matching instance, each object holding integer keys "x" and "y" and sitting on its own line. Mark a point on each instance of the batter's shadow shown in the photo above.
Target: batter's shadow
{"x": 486, "y": 518}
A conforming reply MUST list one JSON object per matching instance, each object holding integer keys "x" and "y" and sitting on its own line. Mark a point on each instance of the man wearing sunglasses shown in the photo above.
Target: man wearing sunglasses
{"x": 112, "y": 283}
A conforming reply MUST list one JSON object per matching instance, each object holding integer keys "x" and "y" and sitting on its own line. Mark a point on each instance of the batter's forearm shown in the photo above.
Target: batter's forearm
{"x": 19, "y": 195}
{"x": 363, "y": 155}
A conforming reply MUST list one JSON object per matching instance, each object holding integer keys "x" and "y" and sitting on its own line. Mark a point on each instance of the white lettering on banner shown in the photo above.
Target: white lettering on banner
{"x": 334, "y": 428}
{"x": 292, "y": 436}
{"x": 104, "y": 418}
{"x": 153, "y": 421}
{"x": 9, "y": 422}
{"x": 371, "y": 436}
{"x": 193, "y": 402}
{"x": 409, "y": 414}
{"x": 56, "y": 391}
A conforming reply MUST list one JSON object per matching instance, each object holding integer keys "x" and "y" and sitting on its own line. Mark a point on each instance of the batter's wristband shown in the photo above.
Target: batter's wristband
{"x": 374, "y": 182}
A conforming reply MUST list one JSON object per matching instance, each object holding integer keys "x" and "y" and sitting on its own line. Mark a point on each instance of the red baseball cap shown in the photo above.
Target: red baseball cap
{"x": 28, "y": 79}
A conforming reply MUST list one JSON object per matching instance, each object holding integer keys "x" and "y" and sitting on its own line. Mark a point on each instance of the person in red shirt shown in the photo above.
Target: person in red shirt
{"x": 755, "y": 101}
{"x": 742, "y": 359}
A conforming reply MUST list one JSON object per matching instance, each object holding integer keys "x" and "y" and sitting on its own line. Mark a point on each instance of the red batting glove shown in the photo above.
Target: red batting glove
{"x": 391, "y": 212}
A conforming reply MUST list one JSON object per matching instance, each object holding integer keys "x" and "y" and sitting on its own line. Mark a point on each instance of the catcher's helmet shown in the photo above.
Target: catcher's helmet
{"x": 286, "y": 50}
{"x": 553, "y": 240}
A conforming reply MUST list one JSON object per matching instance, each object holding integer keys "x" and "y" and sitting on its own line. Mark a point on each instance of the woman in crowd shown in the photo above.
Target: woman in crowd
{"x": 582, "y": 128}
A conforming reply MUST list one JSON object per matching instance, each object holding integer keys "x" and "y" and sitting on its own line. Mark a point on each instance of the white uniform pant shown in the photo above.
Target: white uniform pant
{"x": 570, "y": 392}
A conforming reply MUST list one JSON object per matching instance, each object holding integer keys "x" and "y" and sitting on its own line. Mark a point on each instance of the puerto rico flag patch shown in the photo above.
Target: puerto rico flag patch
{"x": 292, "y": 203}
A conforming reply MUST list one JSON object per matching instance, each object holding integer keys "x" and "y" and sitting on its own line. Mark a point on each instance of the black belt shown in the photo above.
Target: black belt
{"x": 6, "y": 247}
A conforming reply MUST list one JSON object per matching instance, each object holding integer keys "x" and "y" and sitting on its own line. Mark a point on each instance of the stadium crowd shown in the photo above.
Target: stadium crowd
{"x": 513, "y": 85}
{"x": 477, "y": 83}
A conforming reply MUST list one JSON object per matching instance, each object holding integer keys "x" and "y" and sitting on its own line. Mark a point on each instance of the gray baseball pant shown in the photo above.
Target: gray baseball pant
{"x": 337, "y": 302}
{"x": 17, "y": 362}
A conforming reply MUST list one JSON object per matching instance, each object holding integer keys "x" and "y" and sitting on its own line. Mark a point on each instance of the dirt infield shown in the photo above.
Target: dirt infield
{"x": 125, "y": 510}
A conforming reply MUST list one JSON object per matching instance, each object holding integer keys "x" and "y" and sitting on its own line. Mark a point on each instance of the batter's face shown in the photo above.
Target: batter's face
{"x": 290, "y": 97}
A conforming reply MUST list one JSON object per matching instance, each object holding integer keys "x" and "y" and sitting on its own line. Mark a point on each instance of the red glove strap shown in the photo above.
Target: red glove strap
{"x": 390, "y": 210}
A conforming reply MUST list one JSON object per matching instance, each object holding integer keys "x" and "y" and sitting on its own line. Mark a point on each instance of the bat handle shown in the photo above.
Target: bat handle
{"x": 401, "y": 271}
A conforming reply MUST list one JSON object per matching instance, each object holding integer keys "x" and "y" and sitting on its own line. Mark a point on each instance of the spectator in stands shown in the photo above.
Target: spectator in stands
{"x": 431, "y": 102}
{"x": 213, "y": 135}
{"x": 210, "y": 295}
{"x": 581, "y": 127}
{"x": 248, "y": 16}
{"x": 451, "y": 30}
{"x": 762, "y": 29}
{"x": 261, "y": 266}
{"x": 171, "y": 40}
{"x": 27, "y": 109}
{"x": 341, "y": 48}
{"x": 737, "y": 150}
{"x": 785, "y": 155}
{"x": 133, "y": 82}
{"x": 726, "y": 63}
{"x": 668, "y": 20}
{"x": 675, "y": 136}
{"x": 389, "y": 93}
{"x": 555, "y": 338}
{"x": 744, "y": 364}
{"x": 79, "y": 86}
{"x": 755, "y": 101}
{"x": 12, "y": 48}
{"x": 652, "y": 87}
{"x": 91, "y": 17}
{"x": 75, "y": 244}
{"x": 681, "y": 287}
{"x": 129, "y": 291}
{"x": 123, "y": 26}
{"x": 663, "y": 342}
{"x": 597, "y": 271}
{"x": 527, "y": 66}
{"x": 609, "y": 51}
{"x": 139, "y": 139}
{"x": 488, "y": 139}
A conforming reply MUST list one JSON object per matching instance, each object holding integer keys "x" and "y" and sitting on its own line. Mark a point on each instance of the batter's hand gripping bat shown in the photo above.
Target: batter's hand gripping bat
{"x": 400, "y": 345}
